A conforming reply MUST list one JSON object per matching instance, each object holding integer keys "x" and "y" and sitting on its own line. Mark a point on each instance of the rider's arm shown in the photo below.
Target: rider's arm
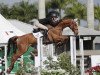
{"x": 39, "y": 25}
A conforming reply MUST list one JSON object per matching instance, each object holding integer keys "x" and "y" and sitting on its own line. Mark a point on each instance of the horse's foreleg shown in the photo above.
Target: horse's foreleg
{"x": 56, "y": 38}
{"x": 19, "y": 52}
{"x": 61, "y": 40}
{"x": 64, "y": 38}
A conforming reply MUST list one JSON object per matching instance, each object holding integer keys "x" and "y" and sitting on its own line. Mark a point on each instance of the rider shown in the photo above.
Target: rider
{"x": 51, "y": 19}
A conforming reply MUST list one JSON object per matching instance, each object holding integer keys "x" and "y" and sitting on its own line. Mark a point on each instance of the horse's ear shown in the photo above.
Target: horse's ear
{"x": 76, "y": 19}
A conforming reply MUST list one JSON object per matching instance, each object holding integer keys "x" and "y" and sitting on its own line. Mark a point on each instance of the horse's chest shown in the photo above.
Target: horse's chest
{"x": 57, "y": 32}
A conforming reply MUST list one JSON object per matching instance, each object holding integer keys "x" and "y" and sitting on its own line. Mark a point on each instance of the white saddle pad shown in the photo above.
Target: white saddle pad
{"x": 38, "y": 34}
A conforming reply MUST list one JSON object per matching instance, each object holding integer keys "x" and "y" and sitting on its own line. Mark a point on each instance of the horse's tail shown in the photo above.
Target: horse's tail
{"x": 12, "y": 45}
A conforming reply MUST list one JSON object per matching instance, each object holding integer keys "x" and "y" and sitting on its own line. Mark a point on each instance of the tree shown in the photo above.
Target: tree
{"x": 78, "y": 10}
{"x": 97, "y": 13}
{"x": 62, "y": 66}
{"x": 22, "y": 11}
{"x": 4, "y": 10}
{"x": 65, "y": 63}
{"x": 59, "y": 4}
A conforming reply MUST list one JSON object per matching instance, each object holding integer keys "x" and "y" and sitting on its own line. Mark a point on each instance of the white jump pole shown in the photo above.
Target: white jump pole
{"x": 38, "y": 59}
{"x": 5, "y": 57}
{"x": 41, "y": 52}
{"x": 73, "y": 50}
{"x": 50, "y": 50}
{"x": 82, "y": 56}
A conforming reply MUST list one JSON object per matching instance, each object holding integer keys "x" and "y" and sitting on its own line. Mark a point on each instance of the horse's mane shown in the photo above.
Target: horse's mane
{"x": 65, "y": 19}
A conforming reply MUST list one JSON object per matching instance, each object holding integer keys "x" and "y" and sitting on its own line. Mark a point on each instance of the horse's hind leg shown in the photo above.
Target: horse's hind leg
{"x": 19, "y": 52}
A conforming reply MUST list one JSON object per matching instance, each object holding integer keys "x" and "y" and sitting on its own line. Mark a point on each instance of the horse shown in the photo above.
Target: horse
{"x": 21, "y": 43}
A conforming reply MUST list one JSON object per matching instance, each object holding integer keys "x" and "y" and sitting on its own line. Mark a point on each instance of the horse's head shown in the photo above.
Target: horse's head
{"x": 74, "y": 26}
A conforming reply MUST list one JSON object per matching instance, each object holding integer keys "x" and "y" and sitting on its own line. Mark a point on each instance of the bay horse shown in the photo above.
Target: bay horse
{"x": 21, "y": 43}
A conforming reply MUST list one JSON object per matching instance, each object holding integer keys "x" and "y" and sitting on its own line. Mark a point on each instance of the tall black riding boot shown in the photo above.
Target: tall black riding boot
{"x": 45, "y": 36}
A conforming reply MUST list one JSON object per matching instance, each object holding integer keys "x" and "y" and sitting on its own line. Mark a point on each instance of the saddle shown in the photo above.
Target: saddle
{"x": 36, "y": 30}
{"x": 44, "y": 32}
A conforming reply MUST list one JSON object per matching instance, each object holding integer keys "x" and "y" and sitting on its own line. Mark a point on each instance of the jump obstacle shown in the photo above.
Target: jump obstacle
{"x": 3, "y": 60}
{"x": 42, "y": 51}
{"x": 39, "y": 59}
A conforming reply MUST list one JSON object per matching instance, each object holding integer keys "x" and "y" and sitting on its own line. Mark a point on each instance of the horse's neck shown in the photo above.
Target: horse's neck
{"x": 63, "y": 24}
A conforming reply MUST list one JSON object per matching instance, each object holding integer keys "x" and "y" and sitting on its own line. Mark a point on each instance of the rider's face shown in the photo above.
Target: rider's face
{"x": 55, "y": 19}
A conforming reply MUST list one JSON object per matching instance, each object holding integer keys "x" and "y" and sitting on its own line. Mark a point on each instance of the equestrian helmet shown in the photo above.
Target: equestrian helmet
{"x": 54, "y": 16}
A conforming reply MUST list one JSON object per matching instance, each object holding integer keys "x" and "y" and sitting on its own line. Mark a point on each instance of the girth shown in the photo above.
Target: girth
{"x": 37, "y": 30}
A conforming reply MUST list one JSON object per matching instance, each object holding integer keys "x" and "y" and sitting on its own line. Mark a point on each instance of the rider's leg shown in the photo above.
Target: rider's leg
{"x": 41, "y": 26}
{"x": 45, "y": 36}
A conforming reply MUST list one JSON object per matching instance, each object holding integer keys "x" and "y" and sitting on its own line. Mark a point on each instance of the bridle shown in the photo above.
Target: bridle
{"x": 73, "y": 27}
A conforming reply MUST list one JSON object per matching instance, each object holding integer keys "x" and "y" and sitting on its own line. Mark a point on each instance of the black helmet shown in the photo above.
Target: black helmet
{"x": 54, "y": 17}
{"x": 53, "y": 14}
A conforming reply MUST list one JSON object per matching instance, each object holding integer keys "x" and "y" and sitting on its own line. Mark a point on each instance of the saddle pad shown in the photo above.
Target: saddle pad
{"x": 38, "y": 34}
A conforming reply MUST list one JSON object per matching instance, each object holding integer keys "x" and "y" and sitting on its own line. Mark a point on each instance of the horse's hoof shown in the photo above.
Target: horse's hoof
{"x": 8, "y": 71}
{"x": 59, "y": 44}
